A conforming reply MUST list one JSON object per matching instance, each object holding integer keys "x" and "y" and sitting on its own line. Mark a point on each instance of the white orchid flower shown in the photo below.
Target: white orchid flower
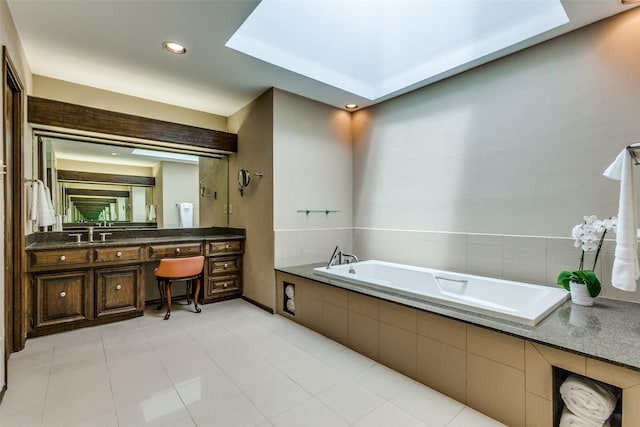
{"x": 598, "y": 225}
{"x": 611, "y": 223}
{"x": 577, "y": 231}
{"x": 590, "y": 246}
{"x": 590, "y": 219}
{"x": 589, "y": 237}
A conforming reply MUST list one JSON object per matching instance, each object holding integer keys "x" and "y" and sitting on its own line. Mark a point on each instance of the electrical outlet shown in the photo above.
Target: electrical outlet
{"x": 230, "y": 209}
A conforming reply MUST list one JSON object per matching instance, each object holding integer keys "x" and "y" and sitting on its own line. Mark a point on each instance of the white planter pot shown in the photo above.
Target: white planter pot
{"x": 580, "y": 294}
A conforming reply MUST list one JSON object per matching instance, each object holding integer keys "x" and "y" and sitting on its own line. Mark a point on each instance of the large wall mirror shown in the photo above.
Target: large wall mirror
{"x": 119, "y": 184}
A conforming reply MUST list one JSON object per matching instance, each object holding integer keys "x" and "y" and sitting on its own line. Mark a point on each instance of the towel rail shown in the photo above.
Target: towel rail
{"x": 634, "y": 152}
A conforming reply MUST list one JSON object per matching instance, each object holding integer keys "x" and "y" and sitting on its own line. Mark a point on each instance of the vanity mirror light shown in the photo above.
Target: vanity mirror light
{"x": 120, "y": 184}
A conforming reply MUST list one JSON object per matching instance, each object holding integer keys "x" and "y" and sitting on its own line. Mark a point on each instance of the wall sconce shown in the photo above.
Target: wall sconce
{"x": 244, "y": 179}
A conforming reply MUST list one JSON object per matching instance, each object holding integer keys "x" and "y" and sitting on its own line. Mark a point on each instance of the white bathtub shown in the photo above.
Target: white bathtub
{"x": 519, "y": 302}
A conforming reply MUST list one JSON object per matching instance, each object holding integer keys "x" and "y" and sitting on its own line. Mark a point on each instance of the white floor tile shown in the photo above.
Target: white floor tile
{"x": 311, "y": 413}
{"x": 237, "y": 411}
{"x": 276, "y": 396}
{"x": 351, "y": 400}
{"x": 390, "y": 415}
{"x": 233, "y": 365}
{"x": 383, "y": 381}
{"x": 428, "y": 405}
{"x": 470, "y": 417}
{"x": 162, "y": 409}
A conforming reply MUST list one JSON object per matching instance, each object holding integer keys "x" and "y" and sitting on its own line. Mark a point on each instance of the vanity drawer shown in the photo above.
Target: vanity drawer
{"x": 58, "y": 258}
{"x": 175, "y": 250}
{"x": 224, "y": 247}
{"x": 224, "y": 284}
{"x": 133, "y": 253}
{"x": 223, "y": 265}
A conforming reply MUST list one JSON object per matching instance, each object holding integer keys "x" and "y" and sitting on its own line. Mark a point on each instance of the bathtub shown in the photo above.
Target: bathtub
{"x": 515, "y": 301}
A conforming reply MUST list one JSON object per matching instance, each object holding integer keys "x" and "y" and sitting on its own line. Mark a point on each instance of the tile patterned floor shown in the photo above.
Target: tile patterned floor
{"x": 232, "y": 365}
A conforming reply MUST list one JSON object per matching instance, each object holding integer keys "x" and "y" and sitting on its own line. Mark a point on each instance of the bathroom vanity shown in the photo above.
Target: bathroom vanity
{"x": 73, "y": 285}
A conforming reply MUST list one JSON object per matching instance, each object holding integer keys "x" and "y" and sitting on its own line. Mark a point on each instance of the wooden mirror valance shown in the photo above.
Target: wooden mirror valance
{"x": 58, "y": 114}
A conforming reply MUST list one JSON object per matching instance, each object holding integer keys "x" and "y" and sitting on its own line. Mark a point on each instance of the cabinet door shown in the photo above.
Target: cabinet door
{"x": 62, "y": 298}
{"x": 118, "y": 290}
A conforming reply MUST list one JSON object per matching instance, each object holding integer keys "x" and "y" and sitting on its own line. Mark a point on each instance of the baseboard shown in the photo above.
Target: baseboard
{"x": 257, "y": 304}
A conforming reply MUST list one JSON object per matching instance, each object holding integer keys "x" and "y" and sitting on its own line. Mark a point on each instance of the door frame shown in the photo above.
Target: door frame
{"x": 14, "y": 290}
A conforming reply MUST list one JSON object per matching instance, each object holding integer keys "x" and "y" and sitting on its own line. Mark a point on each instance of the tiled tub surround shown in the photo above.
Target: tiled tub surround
{"x": 529, "y": 259}
{"x": 497, "y": 367}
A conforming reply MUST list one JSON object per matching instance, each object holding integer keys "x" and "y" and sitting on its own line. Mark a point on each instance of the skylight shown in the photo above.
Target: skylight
{"x": 372, "y": 48}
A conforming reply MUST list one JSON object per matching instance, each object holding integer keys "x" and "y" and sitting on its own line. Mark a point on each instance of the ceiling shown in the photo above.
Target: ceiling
{"x": 117, "y": 46}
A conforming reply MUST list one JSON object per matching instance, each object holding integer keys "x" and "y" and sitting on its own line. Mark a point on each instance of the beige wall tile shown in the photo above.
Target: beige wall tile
{"x": 612, "y": 374}
{"x": 398, "y": 349}
{"x": 445, "y": 330}
{"x": 399, "y": 315}
{"x": 484, "y": 260}
{"x": 364, "y": 335}
{"x": 335, "y": 296}
{"x": 443, "y": 368}
{"x": 309, "y": 312}
{"x": 539, "y": 412}
{"x": 280, "y": 277}
{"x": 496, "y": 346}
{"x": 363, "y": 304}
{"x": 496, "y": 390}
{"x": 539, "y": 373}
{"x": 563, "y": 359}
{"x": 309, "y": 288}
{"x": 335, "y": 323}
{"x": 631, "y": 407}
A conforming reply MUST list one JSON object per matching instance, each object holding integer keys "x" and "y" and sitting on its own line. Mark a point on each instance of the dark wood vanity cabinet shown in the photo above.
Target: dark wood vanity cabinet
{"x": 78, "y": 287}
{"x": 62, "y": 298}
{"x": 223, "y": 270}
{"x": 118, "y": 290}
{"x": 75, "y": 286}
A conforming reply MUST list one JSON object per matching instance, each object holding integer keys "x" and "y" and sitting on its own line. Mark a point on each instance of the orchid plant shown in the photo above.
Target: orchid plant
{"x": 589, "y": 236}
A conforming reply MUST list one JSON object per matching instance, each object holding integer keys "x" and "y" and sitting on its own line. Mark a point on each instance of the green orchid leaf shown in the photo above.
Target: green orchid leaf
{"x": 564, "y": 278}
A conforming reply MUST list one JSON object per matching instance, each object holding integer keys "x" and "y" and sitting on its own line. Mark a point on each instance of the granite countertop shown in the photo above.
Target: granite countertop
{"x": 609, "y": 330}
{"x": 127, "y": 241}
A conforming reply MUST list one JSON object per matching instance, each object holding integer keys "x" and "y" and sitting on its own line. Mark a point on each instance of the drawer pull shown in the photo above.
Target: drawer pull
{"x": 225, "y": 265}
{"x": 118, "y": 254}
{"x": 224, "y": 285}
{"x": 177, "y": 250}
{"x": 118, "y": 287}
{"x": 63, "y": 294}
{"x": 226, "y": 246}
{"x": 62, "y": 257}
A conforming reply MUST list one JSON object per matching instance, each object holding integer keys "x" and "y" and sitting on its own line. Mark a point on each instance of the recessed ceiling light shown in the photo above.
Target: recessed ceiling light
{"x": 114, "y": 154}
{"x": 174, "y": 47}
{"x": 351, "y": 106}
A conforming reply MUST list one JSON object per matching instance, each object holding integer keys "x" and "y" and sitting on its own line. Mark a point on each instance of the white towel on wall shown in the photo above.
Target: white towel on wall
{"x": 588, "y": 399}
{"x": 41, "y": 209}
{"x": 626, "y": 269}
{"x": 33, "y": 207}
{"x": 186, "y": 215}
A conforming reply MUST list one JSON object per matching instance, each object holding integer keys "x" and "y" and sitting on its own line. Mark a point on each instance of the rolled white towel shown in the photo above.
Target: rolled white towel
{"x": 291, "y": 306}
{"x": 588, "y": 399}
{"x": 569, "y": 419}
{"x": 289, "y": 291}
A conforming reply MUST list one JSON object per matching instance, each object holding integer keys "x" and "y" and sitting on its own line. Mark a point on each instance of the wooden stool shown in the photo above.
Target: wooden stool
{"x": 177, "y": 269}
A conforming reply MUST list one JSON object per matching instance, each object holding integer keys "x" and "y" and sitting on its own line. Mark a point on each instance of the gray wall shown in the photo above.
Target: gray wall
{"x": 488, "y": 171}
